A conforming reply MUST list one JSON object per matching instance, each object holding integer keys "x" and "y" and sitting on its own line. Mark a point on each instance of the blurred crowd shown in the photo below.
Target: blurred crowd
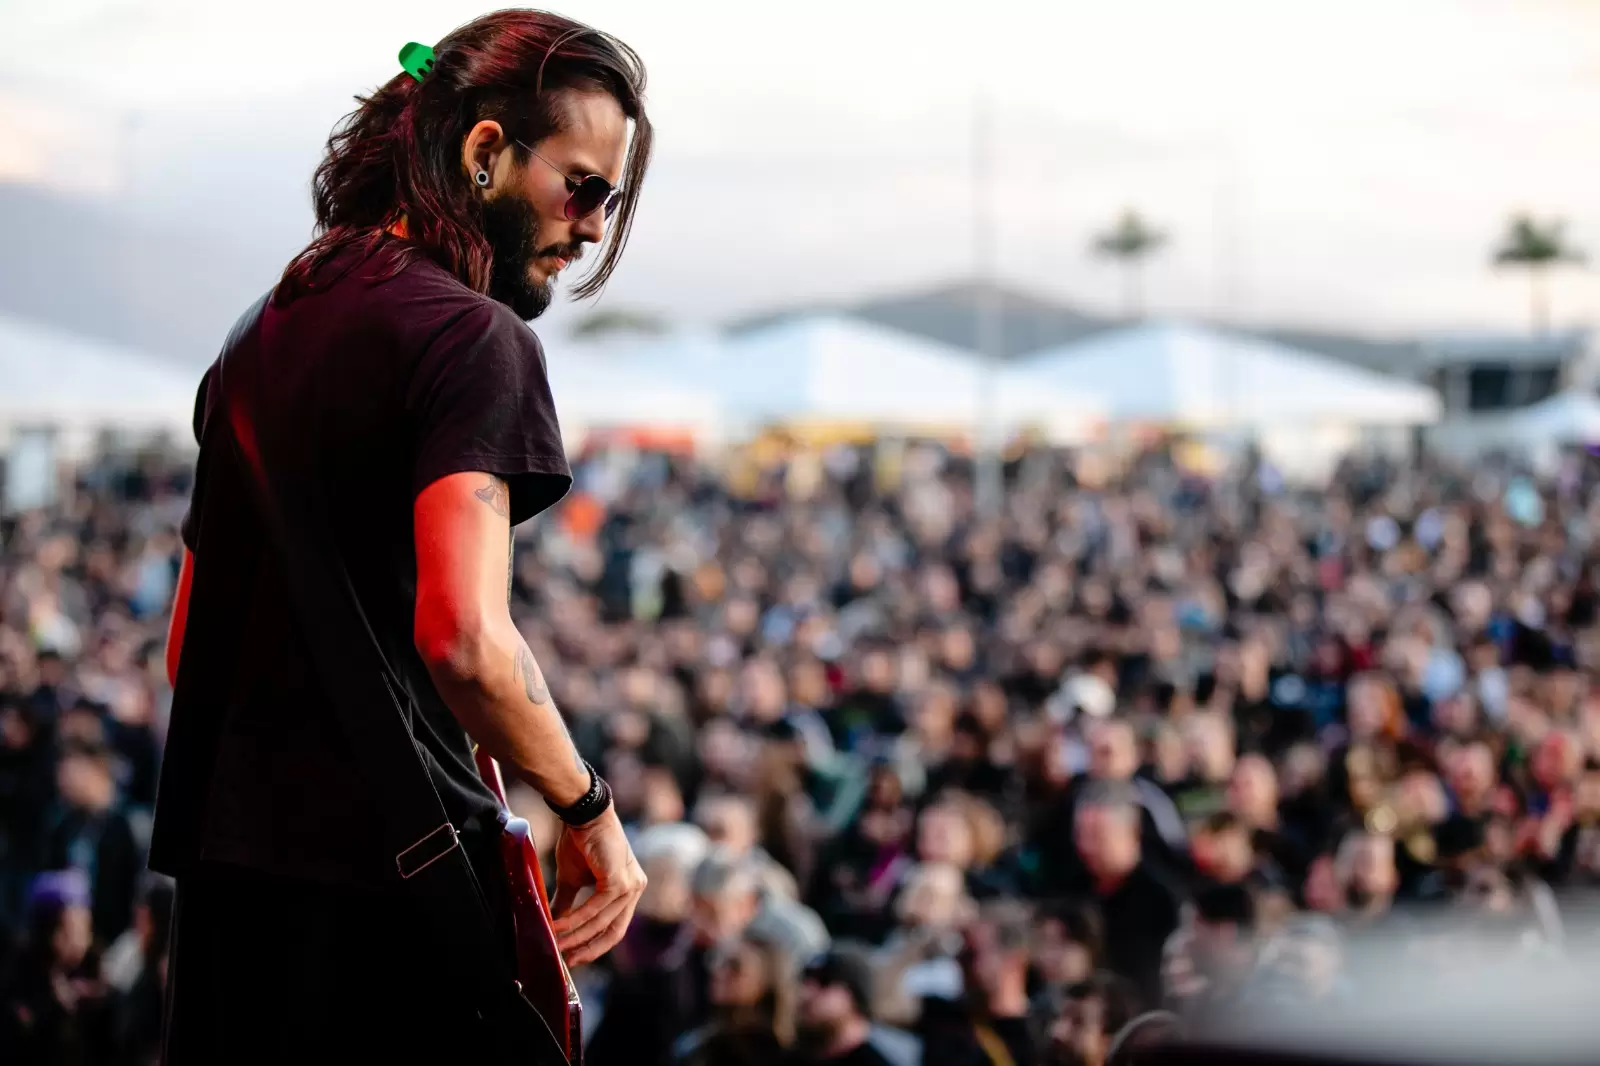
{"x": 85, "y": 589}
{"x": 1147, "y": 749}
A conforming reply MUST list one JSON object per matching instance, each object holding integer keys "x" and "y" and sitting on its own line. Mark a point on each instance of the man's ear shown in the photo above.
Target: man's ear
{"x": 481, "y": 148}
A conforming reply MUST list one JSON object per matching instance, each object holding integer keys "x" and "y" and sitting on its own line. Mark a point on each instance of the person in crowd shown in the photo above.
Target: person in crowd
{"x": 658, "y": 986}
{"x": 726, "y": 897}
{"x": 140, "y": 990}
{"x": 752, "y": 998}
{"x": 1208, "y": 739}
{"x": 989, "y": 1024}
{"x": 26, "y": 790}
{"x": 919, "y": 959}
{"x": 1077, "y": 1024}
{"x": 1223, "y": 851}
{"x": 796, "y": 929}
{"x": 1365, "y": 866}
{"x": 1138, "y": 904}
{"x": 730, "y": 823}
{"x": 1253, "y": 798}
{"x": 93, "y": 835}
{"x": 57, "y": 1007}
{"x": 1218, "y": 947}
{"x": 859, "y": 871}
{"x": 1068, "y": 943}
{"x": 1113, "y": 758}
{"x": 835, "y": 1022}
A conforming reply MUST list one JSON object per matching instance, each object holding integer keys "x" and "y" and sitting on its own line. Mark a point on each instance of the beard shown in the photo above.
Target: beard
{"x": 1058, "y": 1054}
{"x": 511, "y": 226}
{"x": 811, "y": 1039}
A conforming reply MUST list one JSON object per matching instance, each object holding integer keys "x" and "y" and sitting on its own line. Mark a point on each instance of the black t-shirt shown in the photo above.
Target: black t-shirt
{"x": 949, "y": 1037}
{"x": 1138, "y": 917}
{"x": 863, "y": 1054}
{"x": 388, "y": 384}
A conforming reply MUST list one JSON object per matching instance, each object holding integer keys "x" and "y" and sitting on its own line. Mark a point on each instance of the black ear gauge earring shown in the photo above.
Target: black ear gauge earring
{"x": 482, "y": 178}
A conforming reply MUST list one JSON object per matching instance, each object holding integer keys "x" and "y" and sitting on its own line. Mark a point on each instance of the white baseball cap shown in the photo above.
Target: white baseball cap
{"x": 1088, "y": 693}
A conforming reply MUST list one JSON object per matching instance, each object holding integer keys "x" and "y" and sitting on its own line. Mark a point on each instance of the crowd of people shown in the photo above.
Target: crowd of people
{"x": 85, "y": 588}
{"x": 1145, "y": 750}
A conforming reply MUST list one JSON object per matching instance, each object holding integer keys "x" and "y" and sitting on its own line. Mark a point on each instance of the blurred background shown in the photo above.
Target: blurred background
{"x": 1006, "y": 418}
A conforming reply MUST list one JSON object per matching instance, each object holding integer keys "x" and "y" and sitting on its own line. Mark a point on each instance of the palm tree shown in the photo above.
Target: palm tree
{"x": 1130, "y": 242}
{"x": 1536, "y": 247}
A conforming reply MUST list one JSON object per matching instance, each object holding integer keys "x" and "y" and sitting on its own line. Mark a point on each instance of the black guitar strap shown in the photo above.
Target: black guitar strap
{"x": 367, "y": 704}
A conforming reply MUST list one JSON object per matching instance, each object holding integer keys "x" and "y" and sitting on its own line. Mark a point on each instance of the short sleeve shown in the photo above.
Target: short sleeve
{"x": 189, "y": 529}
{"x": 480, "y": 400}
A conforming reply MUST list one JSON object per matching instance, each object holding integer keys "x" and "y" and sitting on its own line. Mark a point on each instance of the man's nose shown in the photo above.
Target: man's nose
{"x": 591, "y": 227}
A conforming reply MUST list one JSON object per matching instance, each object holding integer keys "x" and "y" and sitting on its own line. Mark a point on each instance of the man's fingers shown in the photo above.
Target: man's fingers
{"x": 564, "y": 898}
{"x": 590, "y": 919}
{"x": 583, "y": 931}
{"x": 611, "y": 935}
{"x": 608, "y": 939}
{"x": 581, "y": 915}
{"x": 581, "y": 941}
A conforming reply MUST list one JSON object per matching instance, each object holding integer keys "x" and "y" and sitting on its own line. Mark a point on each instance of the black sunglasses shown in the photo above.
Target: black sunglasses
{"x": 587, "y": 196}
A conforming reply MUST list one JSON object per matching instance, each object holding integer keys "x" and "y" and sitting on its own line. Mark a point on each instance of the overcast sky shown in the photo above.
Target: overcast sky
{"x": 1344, "y": 164}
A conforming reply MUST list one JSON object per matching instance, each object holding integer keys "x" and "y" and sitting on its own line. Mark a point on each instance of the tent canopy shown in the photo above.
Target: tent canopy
{"x": 836, "y": 369}
{"x": 600, "y": 388}
{"x": 1178, "y": 372}
{"x": 1571, "y": 417}
{"x": 51, "y": 377}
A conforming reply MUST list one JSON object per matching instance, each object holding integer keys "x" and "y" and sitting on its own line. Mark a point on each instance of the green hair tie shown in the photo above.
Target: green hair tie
{"x": 417, "y": 59}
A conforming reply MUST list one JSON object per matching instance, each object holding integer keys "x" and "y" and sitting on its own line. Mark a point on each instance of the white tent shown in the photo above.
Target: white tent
{"x": 1567, "y": 418}
{"x": 49, "y": 377}
{"x": 1176, "y": 372}
{"x": 834, "y": 369}
{"x": 602, "y": 387}
{"x": 688, "y": 359}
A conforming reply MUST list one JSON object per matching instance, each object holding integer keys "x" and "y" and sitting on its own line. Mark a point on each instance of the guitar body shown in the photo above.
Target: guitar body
{"x": 542, "y": 972}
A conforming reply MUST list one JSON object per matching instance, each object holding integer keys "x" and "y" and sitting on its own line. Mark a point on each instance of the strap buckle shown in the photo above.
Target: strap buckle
{"x": 427, "y": 851}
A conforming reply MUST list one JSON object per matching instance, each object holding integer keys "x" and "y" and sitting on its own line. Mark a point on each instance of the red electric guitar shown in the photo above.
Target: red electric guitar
{"x": 541, "y": 970}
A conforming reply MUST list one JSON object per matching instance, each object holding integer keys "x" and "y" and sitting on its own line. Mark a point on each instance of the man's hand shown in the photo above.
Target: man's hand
{"x": 597, "y": 854}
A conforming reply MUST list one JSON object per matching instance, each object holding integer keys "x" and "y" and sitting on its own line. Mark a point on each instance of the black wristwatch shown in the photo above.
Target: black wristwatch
{"x": 592, "y": 805}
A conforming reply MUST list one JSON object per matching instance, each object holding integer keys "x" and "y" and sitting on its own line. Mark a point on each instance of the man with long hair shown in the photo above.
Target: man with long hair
{"x": 393, "y": 370}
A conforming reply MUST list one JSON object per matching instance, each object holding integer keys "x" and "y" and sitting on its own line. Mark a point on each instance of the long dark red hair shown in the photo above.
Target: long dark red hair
{"x": 399, "y": 154}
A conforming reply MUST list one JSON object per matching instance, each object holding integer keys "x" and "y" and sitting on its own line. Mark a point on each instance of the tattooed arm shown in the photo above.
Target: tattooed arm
{"x": 490, "y": 680}
{"x": 463, "y": 630}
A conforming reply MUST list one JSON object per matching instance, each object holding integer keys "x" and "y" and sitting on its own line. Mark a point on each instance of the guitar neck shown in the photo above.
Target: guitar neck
{"x": 489, "y": 770}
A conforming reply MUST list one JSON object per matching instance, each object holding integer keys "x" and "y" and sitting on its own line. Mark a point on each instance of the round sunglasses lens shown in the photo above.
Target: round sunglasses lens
{"x": 587, "y": 197}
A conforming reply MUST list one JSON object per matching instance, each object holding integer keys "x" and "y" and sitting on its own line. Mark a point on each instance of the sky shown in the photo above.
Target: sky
{"x": 1346, "y": 165}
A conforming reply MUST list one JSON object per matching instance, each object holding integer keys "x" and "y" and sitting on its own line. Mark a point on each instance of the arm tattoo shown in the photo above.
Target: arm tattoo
{"x": 527, "y": 671}
{"x": 497, "y": 494}
{"x": 531, "y": 676}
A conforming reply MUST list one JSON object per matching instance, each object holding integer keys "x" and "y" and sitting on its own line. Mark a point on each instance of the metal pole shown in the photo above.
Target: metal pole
{"x": 1224, "y": 282}
{"x": 989, "y": 486}
{"x": 1228, "y": 307}
{"x": 129, "y": 165}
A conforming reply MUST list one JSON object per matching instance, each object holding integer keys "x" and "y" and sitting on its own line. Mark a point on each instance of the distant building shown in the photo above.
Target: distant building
{"x": 1029, "y": 323}
{"x": 1491, "y": 374}
{"x": 1488, "y": 381}
{"x": 1401, "y": 356}
{"x": 949, "y": 314}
